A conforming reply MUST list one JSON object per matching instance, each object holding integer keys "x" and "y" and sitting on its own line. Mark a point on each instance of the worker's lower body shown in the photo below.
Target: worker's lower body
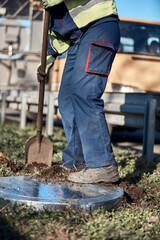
{"x": 84, "y": 80}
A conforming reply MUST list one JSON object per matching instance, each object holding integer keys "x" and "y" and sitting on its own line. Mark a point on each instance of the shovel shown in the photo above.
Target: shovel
{"x": 38, "y": 148}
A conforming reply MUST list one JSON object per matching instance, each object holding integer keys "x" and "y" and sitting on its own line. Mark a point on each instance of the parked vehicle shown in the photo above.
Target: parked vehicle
{"x": 136, "y": 66}
{"x": 20, "y": 43}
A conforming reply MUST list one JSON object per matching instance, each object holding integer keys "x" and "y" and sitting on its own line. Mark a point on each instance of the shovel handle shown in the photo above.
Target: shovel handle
{"x": 45, "y": 40}
{"x": 42, "y": 83}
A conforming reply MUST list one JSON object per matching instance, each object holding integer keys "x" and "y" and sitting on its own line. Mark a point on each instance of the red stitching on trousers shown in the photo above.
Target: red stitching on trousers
{"x": 69, "y": 31}
{"x": 104, "y": 74}
{"x": 101, "y": 42}
{"x": 87, "y": 63}
{"x": 89, "y": 54}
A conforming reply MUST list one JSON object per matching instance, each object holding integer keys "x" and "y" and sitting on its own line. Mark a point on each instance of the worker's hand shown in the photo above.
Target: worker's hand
{"x": 50, "y": 3}
{"x": 44, "y": 76}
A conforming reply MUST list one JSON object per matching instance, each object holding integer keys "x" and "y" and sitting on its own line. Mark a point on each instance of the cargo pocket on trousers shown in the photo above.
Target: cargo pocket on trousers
{"x": 99, "y": 58}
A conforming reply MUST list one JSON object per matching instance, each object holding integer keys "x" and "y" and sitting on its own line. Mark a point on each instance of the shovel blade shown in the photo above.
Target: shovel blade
{"x": 39, "y": 153}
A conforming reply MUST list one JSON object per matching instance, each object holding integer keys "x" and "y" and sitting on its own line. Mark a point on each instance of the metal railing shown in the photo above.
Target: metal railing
{"x": 123, "y": 109}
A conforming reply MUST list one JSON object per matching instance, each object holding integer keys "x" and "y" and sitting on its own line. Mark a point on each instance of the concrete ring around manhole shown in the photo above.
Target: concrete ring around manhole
{"x": 49, "y": 196}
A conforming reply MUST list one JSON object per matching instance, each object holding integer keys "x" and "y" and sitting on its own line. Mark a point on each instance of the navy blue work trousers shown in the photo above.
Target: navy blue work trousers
{"x": 87, "y": 67}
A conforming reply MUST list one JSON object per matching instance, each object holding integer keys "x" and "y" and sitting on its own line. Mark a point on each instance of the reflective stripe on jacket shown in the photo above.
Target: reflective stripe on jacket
{"x": 84, "y": 12}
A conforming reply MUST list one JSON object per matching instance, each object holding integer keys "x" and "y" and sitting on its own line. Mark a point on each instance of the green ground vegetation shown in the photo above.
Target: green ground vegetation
{"x": 135, "y": 220}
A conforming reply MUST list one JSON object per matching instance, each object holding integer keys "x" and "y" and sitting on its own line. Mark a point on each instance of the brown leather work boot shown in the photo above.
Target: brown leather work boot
{"x": 107, "y": 174}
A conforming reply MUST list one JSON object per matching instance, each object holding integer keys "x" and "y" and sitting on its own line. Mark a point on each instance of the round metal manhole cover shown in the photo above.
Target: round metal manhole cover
{"x": 86, "y": 197}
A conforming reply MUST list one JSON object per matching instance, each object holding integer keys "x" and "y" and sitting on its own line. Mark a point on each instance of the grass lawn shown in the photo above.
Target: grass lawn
{"x": 137, "y": 218}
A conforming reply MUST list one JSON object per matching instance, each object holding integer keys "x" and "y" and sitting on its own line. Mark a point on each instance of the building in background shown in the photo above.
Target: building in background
{"x": 20, "y": 43}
